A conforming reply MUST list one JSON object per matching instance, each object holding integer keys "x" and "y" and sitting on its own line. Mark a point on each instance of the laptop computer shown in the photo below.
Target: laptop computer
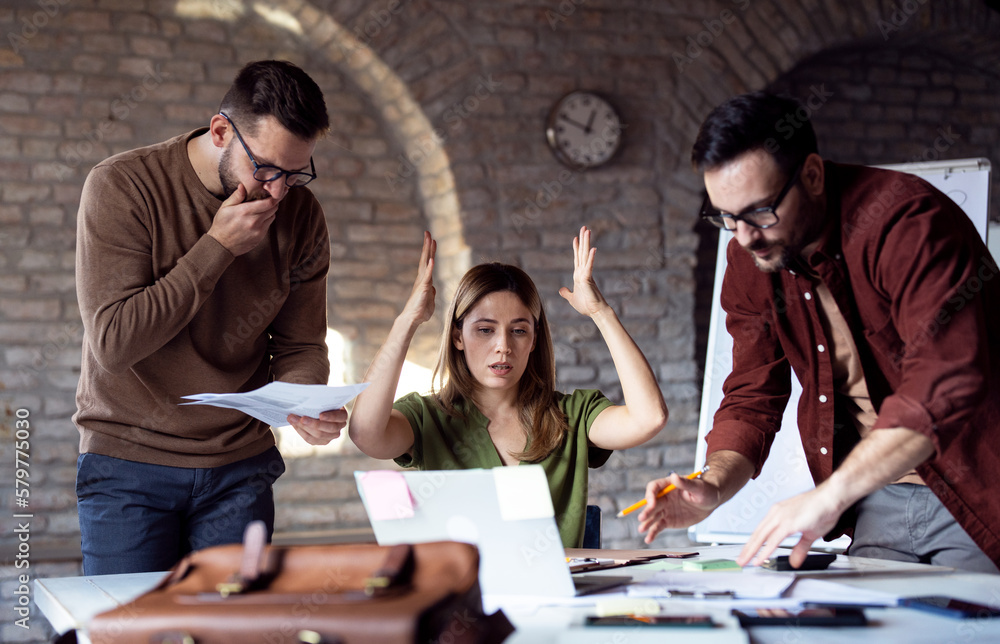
{"x": 506, "y": 512}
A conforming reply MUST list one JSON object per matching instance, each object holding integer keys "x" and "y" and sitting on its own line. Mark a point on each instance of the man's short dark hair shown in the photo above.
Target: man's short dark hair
{"x": 757, "y": 121}
{"x": 280, "y": 89}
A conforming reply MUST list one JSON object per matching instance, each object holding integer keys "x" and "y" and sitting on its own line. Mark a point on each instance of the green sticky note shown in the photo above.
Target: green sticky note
{"x": 712, "y": 564}
{"x": 663, "y": 565}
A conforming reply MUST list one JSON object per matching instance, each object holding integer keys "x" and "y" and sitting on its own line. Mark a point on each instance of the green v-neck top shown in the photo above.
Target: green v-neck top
{"x": 443, "y": 442}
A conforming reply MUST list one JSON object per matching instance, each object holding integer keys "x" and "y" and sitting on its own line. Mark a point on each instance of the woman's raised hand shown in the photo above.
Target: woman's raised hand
{"x": 420, "y": 306}
{"x": 585, "y": 297}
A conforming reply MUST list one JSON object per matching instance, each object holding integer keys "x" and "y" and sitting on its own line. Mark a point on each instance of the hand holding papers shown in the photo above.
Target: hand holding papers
{"x": 273, "y": 402}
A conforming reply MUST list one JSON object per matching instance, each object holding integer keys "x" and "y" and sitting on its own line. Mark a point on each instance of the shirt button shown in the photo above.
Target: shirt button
{"x": 822, "y": 398}
{"x": 808, "y": 295}
{"x": 837, "y": 255}
{"x": 821, "y": 348}
{"x": 822, "y": 450}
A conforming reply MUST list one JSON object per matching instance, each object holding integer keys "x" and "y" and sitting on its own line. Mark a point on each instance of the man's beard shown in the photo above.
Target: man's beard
{"x": 229, "y": 181}
{"x": 226, "y": 175}
{"x": 779, "y": 259}
{"x": 784, "y": 251}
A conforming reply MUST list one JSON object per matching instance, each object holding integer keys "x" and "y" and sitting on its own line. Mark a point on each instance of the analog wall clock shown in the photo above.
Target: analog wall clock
{"x": 583, "y": 130}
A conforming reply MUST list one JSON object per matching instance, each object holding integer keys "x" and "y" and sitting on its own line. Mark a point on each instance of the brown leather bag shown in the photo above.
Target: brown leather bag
{"x": 337, "y": 594}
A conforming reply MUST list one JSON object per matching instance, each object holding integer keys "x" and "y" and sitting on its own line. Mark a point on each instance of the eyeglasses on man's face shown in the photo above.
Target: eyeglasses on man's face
{"x": 268, "y": 173}
{"x": 764, "y": 217}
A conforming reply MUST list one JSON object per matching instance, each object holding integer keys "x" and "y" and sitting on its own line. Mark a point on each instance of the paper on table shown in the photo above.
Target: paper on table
{"x": 742, "y": 585}
{"x": 821, "y": 590}
{"x": 387, "y": 495}
{"x": 274, "y": 401}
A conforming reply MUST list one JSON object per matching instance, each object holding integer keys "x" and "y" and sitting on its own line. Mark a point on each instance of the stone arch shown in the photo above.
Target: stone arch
{"x": 425, "y": 156}
{"x": 414, "y": 67}
{"x": 754, "y": 44}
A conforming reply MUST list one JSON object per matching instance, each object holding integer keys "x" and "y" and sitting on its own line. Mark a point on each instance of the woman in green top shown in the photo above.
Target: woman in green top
{"x": 497, "y": 404}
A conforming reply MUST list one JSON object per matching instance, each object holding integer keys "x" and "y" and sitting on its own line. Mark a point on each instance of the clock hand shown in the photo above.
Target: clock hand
{"x": 590, "y": 122}
{"x": 583, "y": 127}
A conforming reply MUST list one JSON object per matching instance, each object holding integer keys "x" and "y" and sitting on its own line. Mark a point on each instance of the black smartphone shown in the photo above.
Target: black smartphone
{"x": 651, "y": 620}
{"x": 950, "y": 606}
{"x": 803, "y": 617}
{"x": 816, "y": 561}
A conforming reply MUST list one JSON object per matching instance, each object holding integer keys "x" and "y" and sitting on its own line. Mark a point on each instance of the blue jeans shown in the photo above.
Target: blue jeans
{"x": 906, "y": 522}
{"x": 138, "y": 517}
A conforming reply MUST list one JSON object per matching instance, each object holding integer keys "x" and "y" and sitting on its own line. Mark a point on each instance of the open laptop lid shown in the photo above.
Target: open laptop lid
{"x": 506, "y": 512}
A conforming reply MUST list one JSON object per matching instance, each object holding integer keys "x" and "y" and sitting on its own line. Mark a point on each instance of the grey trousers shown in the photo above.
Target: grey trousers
{"x": 906, "y": 522}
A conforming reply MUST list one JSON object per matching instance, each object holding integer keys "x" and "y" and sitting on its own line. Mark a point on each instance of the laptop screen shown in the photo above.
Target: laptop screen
{"x": 506, "y": 512}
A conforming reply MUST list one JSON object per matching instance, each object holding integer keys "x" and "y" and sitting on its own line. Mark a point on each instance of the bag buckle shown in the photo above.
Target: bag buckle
{"x": 172, "y": 637}
{"x": 227, "y": 588}
{"x": 252, "y": 563}
{"x": 395, "y": 573}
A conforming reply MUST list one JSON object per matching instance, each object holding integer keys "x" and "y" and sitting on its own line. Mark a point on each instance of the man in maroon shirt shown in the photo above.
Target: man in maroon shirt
{"x": 878, "y": 292}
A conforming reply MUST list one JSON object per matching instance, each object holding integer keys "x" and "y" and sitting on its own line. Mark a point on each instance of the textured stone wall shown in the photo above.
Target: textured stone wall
{"x": 438, "y": 110}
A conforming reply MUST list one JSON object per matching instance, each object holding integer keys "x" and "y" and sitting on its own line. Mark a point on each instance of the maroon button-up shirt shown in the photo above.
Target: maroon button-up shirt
{"x": 917, "y": 285}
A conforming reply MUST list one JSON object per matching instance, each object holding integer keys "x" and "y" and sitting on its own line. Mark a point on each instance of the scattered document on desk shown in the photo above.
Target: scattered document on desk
{"x": 824, "y": 591}
{"x": 706, "y": 585}
{"x": 273, "y": 402}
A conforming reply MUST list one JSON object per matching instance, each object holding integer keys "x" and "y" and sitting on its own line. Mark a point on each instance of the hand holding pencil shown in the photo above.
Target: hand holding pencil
{"x": 693, "y": 499}
{"x": 670, "y": 488}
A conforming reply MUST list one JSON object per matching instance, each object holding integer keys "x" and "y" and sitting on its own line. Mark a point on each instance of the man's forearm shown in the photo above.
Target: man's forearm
{"x": 878, "y": 460}
{"x": 728, "y": 471}
{"x": 128, "y": 319}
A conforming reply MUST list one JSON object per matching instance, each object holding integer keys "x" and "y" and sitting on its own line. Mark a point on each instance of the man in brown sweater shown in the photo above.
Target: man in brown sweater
{"x": 201, "y": 267}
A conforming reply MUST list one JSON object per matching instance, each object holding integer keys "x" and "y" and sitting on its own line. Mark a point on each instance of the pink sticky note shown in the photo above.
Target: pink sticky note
{"x": 387, "y": 495}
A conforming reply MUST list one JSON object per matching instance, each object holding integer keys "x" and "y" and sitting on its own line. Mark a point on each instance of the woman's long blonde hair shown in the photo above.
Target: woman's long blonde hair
{"x": 543, "y": 421}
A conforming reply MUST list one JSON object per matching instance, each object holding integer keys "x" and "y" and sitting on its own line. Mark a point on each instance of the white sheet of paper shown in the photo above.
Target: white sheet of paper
{"x": 516, "y": 493}
{"x": 822, "y": 590}
{"x": 744, "y": 585}
{"x": 274, "y": 401}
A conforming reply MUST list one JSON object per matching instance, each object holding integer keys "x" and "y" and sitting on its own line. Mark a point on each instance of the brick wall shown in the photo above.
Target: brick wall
{"x": 902, "y": 105}
{"x": 438, "y": 110}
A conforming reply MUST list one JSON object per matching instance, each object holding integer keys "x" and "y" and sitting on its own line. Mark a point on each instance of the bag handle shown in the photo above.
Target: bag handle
{"x": 395, "y": 573}
{"x": 252, "y": 563}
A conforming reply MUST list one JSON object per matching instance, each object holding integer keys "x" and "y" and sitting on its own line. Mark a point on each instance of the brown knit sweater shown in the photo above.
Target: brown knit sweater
{"x": 168, "y": 311}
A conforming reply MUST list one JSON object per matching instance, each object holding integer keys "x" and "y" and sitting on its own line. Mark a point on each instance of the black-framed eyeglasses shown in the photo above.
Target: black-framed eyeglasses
{"x": 268, "y": 173}
{"x": 764, "y": 217}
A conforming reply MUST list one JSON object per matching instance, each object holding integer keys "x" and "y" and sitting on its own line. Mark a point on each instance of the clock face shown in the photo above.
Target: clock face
{"x": 584, "y": 130}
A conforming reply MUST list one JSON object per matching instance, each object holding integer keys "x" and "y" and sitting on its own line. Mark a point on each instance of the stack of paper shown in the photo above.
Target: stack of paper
{"x": 273, "y": 402}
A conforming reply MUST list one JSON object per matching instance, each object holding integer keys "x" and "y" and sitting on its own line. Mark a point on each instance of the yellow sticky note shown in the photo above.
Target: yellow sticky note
{"x": 523, "y": 492}
{"x": 626, "y": 606}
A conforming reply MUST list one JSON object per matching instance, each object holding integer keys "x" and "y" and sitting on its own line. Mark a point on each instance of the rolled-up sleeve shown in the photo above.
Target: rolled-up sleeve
{"x": 757, "y": 390}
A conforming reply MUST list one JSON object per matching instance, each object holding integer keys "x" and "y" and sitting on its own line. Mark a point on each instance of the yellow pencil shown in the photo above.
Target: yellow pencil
{"x": 670, "y": 488}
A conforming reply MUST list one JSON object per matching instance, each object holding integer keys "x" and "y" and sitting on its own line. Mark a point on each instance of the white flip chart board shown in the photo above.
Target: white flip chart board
{"x": 785, "y": 474}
